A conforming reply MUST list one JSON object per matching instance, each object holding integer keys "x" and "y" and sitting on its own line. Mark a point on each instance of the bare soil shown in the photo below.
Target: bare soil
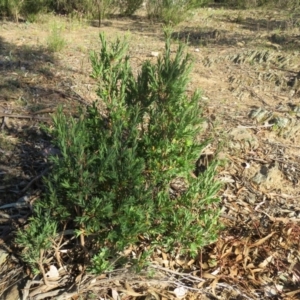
{"x": 247, "y": 64}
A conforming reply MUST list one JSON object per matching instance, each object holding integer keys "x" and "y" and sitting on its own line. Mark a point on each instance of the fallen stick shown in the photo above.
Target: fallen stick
{"x": 34, "y": 180}
{"x": 23, "y": 117}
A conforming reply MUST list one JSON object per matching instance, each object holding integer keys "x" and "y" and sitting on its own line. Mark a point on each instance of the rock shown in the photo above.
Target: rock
{"x": 154, "y": 54}
{"x": 240, "y": 44}
{"x": 261, "y": 176}
{"x": 3, "y": 256}
{"x": 269, "y": 177}
{"x": 260, "y": 114}
{"x": 241, "y": 138}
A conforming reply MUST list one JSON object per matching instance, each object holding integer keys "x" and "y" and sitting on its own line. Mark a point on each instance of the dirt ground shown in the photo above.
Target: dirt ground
{"x": 247, "y": 65}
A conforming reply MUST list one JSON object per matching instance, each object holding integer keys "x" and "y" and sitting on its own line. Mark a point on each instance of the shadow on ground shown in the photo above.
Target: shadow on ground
{"x": 281, "y": 32}
{"x": 31, "y": 88}
{"x": 201, "y": 35}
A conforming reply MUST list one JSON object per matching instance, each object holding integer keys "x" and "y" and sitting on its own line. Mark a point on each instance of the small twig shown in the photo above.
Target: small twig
{"x": 34, "y": 180}
{"x": 14, "y": 282}
{"x": 2, "y": 115}
{"x": 260, "y": 204}
{"x": 225, "y": 216}
{"x": 257, "y": 126}
{"x": 284, "y": 70}
{"x": 3, "y": 123}
{"x": 45, "y": 111}
{"x": 80, "y": 99}
{"x": 282, "y": 195}
{"x": 281, "y": 145}
{"x": 256, "y": 95}
{"x": 41, "y": 267}
{"x": 197, "y": 279}
{"x": 51, "y": 294}
{"x": 280, "y": 219}
{"x": 257, "y": 159}
{"x": 223, "y": 284}
{"x": 57, "y": 247}
{"x": 186, "y": 276}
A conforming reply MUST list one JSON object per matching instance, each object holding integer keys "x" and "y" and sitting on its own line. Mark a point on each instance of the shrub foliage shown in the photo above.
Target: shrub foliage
{"x": 86, "y": 8}
{"x": 172, "y": 11}
{"x": 169, "y": 11}
{"x": 111, "y": 182}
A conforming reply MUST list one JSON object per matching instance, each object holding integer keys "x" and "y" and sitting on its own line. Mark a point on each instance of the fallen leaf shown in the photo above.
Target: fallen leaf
{"x": 154, "y": 294}
{"x": 128, "y": 287}
{"x": 208, "y": 276}
{"x": 261, "y": 241}
{"x": 266, "y": 262}
{"x": 214, "y": 285}
{"x": 131, "y": 293}
{"x": 239, "y": 258}
{"x": 115, "y": 295}
{"x": 293, "y": 293}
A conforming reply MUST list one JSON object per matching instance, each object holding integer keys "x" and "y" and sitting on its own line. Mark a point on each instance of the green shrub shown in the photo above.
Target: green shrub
{"x": 102, "y": 9}
{"x": 112, "y": 180}
{"x": 10, "y": 8}
{"x": 69, "y": 6}
{"x": 129, "y": 7}
{"x": 37, "y": 239}
{"x": 34, "y": 7}
{"x": 172, "y": 11}
{"x": 24, "y": 8}
{"x": 55, "y": 41}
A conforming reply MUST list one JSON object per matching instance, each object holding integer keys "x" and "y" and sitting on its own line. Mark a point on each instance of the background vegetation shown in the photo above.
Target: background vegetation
{"x": 172, "y": 11}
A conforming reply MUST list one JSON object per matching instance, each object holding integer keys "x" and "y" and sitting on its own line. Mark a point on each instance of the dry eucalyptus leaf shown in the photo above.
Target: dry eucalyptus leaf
{"x": 128, "y": 287}
{"x": 115, "y": 294}
{"x": 266, "y": 261}
{"x": 131, "y": 293}
{"x": 153, "y": 295}
{"x": 261, "y": 241}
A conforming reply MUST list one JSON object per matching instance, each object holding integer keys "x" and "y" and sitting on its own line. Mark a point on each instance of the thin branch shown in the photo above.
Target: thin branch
{"x": 2, "y": 115}
{"x": 34, "y": 180}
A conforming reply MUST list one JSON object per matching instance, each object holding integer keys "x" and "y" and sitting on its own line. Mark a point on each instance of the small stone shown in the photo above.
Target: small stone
{"x": 180, "y": 292}
{"x": 260, "y": 176}
{"x": 259, "y": 114}
{"x": 154, "y": 54}
{"x": 280, "y": 122}
{"x": 3, "y": 256}
{"x": 243, "y": 138}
